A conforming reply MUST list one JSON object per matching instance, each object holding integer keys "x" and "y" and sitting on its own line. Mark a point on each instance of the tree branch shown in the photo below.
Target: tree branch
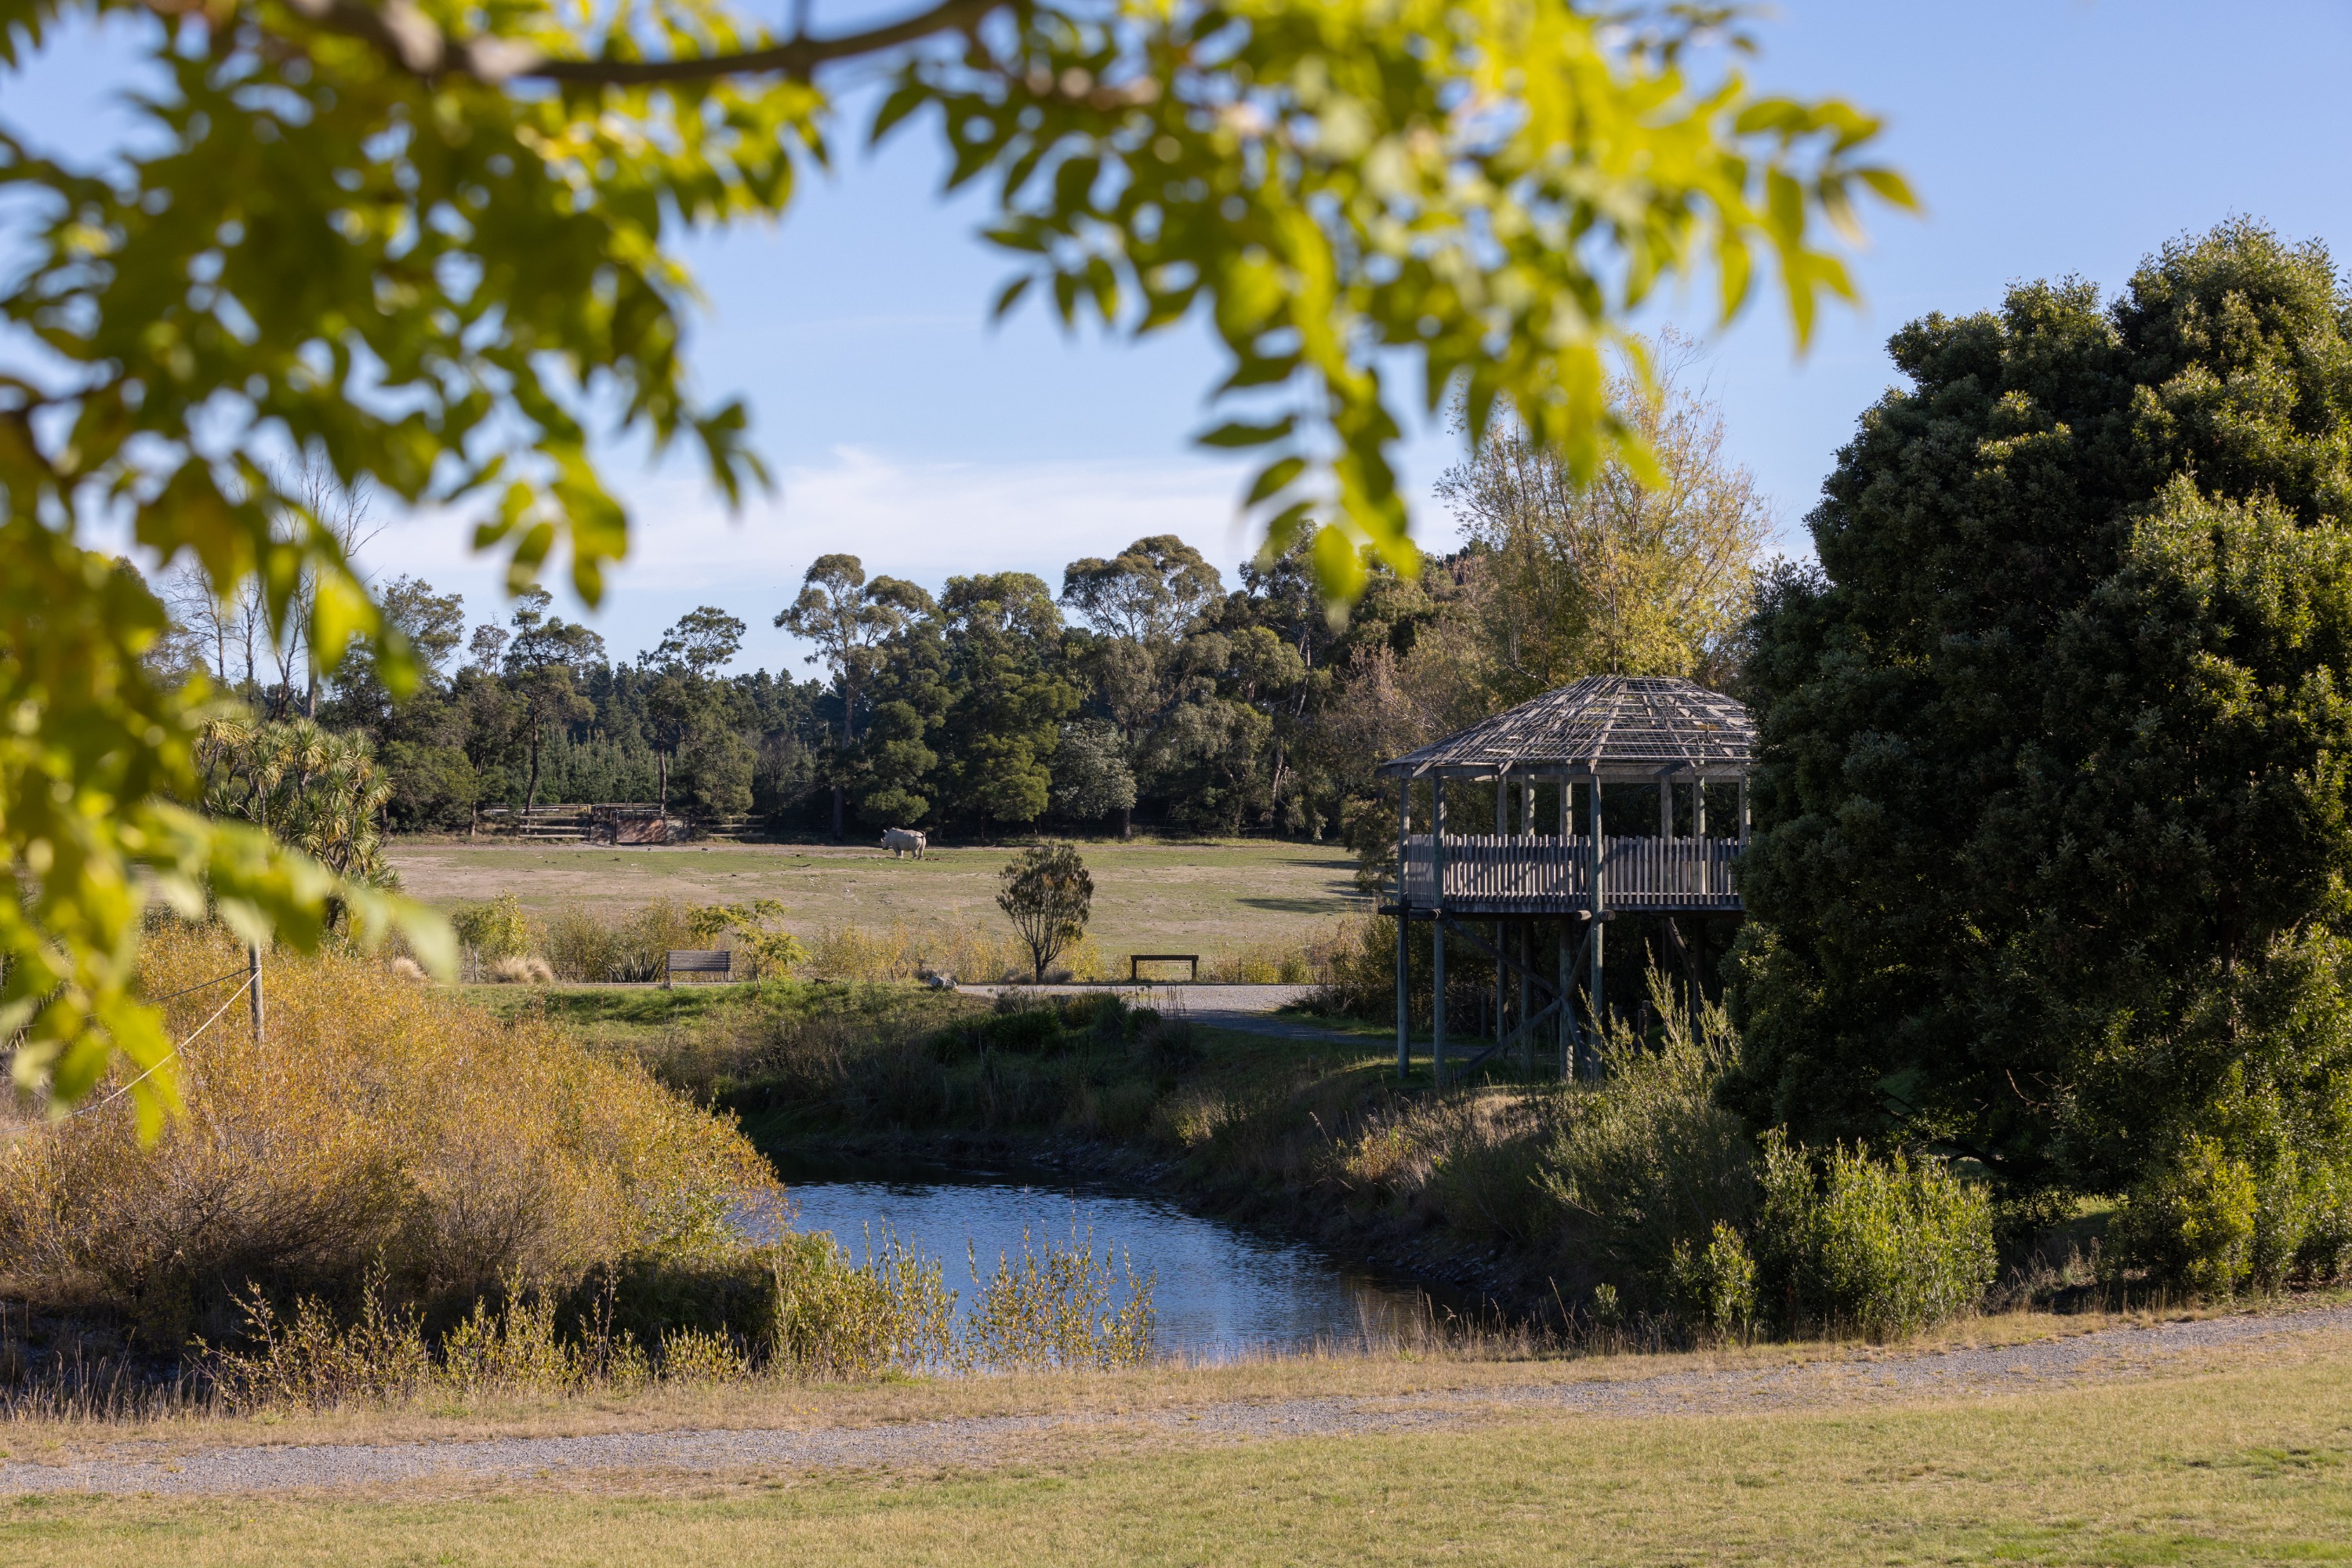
{"x": 412, "y": 38}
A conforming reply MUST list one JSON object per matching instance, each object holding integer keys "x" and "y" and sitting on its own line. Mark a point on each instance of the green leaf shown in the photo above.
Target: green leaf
{"x": 1240, "y": 433}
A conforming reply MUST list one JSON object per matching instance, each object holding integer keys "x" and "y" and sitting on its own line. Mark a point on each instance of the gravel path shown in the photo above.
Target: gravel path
{"x": 2106, "y": 1355}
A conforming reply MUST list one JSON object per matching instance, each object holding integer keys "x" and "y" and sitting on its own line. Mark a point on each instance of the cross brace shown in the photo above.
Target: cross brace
{"x": 1456, "y": 928}
{"x": 1513, "y": 1039}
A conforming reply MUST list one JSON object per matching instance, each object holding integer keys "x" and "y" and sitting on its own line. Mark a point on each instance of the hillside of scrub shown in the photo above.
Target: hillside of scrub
{"x": 1149, "y": 897}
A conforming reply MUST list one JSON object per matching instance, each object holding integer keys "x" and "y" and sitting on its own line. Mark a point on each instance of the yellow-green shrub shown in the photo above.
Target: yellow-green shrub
{"x": 379, "y": 1124}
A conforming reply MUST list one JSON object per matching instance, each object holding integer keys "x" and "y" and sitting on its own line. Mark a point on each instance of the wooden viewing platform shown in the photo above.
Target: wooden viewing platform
{"x": 1551, "y": 856}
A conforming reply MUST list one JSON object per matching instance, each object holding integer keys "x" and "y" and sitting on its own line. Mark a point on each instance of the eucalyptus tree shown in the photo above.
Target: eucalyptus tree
{"x": 681, "y": 703}
{"x": 434, "y": 250}
{"x": 1007, "y": 696}
{"x": 848, "y": 620}
{"x": 543, "y": 662}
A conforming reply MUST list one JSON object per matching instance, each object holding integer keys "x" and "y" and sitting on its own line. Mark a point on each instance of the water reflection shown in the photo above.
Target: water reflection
{"x": 1220, "y": 1292}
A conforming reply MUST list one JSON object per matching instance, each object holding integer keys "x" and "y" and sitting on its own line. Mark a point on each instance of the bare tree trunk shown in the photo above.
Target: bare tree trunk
{"x": 836, "y": 814}
{"x": 531, "y": 796}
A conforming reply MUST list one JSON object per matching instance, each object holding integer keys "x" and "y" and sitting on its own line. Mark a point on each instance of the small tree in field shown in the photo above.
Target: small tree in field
{"x": 1047, "y": 895}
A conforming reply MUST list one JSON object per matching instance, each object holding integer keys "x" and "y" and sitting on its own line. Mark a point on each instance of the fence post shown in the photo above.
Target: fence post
{"x": 253, "y": 987}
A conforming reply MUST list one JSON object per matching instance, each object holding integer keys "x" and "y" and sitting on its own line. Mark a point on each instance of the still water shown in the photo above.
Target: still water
{"x": 1218, "y": 1290}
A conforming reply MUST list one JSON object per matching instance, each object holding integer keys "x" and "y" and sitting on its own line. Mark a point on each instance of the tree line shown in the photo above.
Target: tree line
{"x": 1143, "y": 688}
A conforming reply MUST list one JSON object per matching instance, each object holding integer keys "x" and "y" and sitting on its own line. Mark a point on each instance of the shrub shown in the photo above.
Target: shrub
{"x": 382, "y": 1125}
{"x": 499, "y": 928}
{"x": 836, "y": 1319}
{"x": 1882, "y": 1248}
{"x": 2193, "y": 1219}
{"x": 1645, "y": 1163}
{"x": 1068, "y": 1309}
{"x": 1717, "y": 1283}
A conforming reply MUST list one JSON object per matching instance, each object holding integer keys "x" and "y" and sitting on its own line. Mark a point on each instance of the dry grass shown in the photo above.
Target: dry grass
{"x": 1210, "y": 899}
{"x": 2229, "y": 1458}
{"x": 380, "y": 1126}
{"x": 1434, "y": 1362}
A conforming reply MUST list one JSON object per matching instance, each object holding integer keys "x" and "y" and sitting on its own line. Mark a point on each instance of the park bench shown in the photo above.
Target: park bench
{"x": 1134, "y": 961}
{"x": 715, "y": 961}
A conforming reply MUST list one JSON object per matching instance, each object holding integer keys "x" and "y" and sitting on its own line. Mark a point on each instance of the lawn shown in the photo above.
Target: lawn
{"x": 1149, "y": 897}
{"x": 2235, "y": 1460}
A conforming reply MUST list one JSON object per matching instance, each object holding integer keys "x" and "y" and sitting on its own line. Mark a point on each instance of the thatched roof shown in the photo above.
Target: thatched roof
{"x": 1618, "y": 726}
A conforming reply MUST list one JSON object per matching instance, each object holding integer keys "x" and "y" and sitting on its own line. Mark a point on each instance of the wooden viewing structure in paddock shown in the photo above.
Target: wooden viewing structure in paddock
{"x": 1554, "y": 859}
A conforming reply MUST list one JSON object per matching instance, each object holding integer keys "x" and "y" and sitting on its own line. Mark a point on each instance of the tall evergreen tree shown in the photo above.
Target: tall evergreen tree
{"x": 2055, "y": 820}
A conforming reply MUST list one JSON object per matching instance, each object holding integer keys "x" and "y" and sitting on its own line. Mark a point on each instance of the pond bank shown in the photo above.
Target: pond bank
{"x": 1464, "y": 1284}
{"x": 1219, "y": 1290}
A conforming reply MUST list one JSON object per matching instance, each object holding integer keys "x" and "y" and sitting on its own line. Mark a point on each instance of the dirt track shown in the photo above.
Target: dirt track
{"x": 2103, "y": 1355}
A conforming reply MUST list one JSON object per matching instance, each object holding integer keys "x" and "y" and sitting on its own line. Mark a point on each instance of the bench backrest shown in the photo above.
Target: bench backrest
{"x": 695, "y": 960}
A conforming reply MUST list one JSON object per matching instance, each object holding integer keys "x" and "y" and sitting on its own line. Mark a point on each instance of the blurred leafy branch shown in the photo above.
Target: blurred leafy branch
{"x": 429, "y": 248}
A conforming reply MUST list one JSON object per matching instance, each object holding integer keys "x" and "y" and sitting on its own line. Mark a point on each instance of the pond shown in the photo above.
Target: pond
{"x": 1219, "y": 1290}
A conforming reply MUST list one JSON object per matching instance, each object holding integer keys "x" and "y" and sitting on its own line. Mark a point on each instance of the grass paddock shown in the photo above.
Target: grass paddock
{"x": 1149, "y": 897}
{"x": 2225, "y": 1458}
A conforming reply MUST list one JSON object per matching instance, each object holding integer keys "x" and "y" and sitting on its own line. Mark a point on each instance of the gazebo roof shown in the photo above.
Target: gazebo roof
{"x": 1619, "y": 725}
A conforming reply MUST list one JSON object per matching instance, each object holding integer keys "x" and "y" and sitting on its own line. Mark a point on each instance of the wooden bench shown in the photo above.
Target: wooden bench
{"x": 715, "y": 961}
{"x": 1136, "y": 960}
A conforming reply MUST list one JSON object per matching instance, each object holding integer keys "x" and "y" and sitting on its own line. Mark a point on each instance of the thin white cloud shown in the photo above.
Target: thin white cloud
{"x": 923, "y": 520}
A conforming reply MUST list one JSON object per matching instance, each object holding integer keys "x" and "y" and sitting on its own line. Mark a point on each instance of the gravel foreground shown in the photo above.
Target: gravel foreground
{"x": 2103, "y": 1355}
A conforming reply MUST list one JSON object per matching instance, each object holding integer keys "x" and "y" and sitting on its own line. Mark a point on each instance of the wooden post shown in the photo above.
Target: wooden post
{"x": 1403, "y": 926}
{"x": 1743, "y": 808}
{"x": 1437, "y": 931}
{"x": 1502, "y": 976}
{"x": 1600, "y": 909}
{"x": 1526, "y": 998}
{"x": 1706, "y": 863}
{"x": 253, "y": 988}
{"x": 1567, "y": 1006}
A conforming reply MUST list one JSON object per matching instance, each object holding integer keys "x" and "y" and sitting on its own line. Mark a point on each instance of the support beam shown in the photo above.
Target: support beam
{"x": 1600, "y": 912}
{"x": 1403, "y": 930}
{"x": 1568, "y": 1041}
{"x": 1525, "y": 1031}
{"x": 1498, "y": 954}
{"x": 1437, "y": 929}
{"x": 1502, "y": 979}
{"x": 1527, "y": 1036}
{"x": 1437, "y": 1002}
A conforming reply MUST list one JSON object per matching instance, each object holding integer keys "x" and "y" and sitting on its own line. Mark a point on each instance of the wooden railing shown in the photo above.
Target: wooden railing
{"x": 1532, "y": 874}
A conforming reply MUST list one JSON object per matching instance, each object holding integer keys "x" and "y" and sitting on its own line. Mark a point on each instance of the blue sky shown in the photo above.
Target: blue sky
{"x": 2046, "y": 139}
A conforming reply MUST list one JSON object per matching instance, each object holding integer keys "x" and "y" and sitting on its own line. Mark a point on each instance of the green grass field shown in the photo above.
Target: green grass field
{"x": 1149, "y": 897}
{"x": 2236, "y": 1460}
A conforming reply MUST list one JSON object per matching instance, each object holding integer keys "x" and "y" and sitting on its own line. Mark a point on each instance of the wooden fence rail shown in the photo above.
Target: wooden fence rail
{"x": 1534, "y": 874}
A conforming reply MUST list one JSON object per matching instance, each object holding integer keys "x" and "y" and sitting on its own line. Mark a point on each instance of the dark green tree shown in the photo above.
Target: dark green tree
{"x": 1007, "y": 698}
{"x": 2053, "y": 844}
{"x": 683, "y": 706}
{"x": 541, "y": 663}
